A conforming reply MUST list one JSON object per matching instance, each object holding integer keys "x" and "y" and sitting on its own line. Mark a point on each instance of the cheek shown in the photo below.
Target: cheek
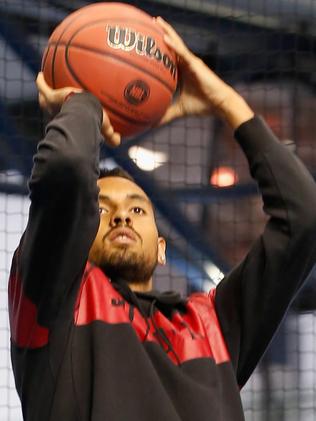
{"x": 149, "y": 235}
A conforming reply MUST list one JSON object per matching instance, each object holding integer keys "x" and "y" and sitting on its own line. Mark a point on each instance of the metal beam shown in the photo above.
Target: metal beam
{"x": 12, "y": 188}
{"x": 209, "y": 194}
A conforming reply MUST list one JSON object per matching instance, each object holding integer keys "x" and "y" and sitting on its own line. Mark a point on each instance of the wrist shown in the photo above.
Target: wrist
{"x": 68, "y": 96}
{"x": 234, "y": 109}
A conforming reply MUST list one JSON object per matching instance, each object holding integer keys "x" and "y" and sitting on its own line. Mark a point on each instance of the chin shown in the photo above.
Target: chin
{"x": 128, "y": 265}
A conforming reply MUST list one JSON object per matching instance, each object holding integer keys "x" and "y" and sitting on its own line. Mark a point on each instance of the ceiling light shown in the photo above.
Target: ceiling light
{"x": 224, "y": 177}
{"x": 147, "y": 159}
{"x": 213, "y": 272}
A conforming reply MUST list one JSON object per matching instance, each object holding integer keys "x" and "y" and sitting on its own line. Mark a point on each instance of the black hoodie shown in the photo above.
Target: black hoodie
{"x": 85, "y": 348}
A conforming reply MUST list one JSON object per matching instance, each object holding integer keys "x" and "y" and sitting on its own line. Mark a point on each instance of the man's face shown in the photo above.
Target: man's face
{"x": 127, "y": 244}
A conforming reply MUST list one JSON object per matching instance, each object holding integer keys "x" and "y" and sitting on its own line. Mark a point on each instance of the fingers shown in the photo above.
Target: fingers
{"x": 115, "y": 139}
{"x": 41, "y": 84}
{"x": 173, "y": 39}
{"x": 47, "y": 91}
{"x": 44, "y": 91}
{"x": 173, "y": 112}
{"x": 111, "y": 137}
{"x": 42, "y": 101}
{"x": 52, "y": 99}
{"x": 62, "y": 93}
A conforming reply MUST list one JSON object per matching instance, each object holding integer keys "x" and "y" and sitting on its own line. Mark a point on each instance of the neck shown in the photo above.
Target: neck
{"x": 141, "y": 287}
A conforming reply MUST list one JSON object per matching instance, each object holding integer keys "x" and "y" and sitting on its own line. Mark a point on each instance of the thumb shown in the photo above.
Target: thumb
{"x": 62, "y": 94}
{"x": 173, "y": 112}
{"x": 112, "y": 138}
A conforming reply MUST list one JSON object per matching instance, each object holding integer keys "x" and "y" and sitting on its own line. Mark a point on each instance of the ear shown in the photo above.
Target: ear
{"x": 161, "y": 251}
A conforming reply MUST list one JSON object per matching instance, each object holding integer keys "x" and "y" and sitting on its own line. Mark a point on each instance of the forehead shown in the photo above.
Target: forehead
{"x": 119, "y": 188}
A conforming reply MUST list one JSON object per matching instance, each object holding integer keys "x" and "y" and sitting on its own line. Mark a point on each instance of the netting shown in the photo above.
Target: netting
{"x": 208, "y": 208}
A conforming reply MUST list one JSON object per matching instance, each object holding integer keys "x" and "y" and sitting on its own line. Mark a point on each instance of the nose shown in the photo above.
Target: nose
{"x": 120, "y": 218}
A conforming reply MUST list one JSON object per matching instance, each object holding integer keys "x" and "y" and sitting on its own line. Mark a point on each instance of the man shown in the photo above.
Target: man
{"x": 91, "y": 340}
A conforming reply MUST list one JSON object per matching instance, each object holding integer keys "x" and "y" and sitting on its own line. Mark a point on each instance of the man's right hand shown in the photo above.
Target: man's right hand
{"x": 52, "y": 100}
{"x": 202, "y": 92}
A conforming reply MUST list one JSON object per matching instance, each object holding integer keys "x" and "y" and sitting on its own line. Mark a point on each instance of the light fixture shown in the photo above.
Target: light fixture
{"x": 108, "y": 164}
{"x": 223, "y": 177}
{"x": 147, "y": 159}
{"x": 11, "y": 177}
{"x": 214, "y": 273}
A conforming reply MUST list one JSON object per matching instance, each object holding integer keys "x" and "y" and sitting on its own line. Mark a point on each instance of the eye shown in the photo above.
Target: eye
{"x": 138, "y": 210}
{"x": 103, "y": 211}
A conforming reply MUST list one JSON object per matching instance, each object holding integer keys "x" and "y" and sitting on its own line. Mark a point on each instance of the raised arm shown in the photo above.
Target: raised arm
{"x": 252, "y": 300}
{"x": 63, "y": 217}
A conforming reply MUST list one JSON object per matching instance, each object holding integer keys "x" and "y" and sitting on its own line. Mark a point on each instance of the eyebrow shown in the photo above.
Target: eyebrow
{"x": 133, "y": 196}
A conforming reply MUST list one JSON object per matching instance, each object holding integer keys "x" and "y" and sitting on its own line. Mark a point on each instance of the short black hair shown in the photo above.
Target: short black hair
{"x": 115, "y": 172}
{"x": 119, "y": 172}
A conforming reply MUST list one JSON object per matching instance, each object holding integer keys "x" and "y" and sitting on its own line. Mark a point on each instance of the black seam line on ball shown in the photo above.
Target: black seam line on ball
{"x": 115, "y": 57}
{"x": 57, "y": 44}
{"x": 124, "y": 117}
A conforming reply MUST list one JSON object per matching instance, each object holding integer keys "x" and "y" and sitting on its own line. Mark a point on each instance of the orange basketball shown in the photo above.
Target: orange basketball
{"x": 117, "y": 52}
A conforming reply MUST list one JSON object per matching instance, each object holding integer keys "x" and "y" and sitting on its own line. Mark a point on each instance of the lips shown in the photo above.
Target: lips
{"x": 122, "y": 235}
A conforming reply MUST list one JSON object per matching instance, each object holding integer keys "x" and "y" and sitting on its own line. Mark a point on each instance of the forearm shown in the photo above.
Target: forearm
{"x": 72, "y": 139}
{"x": 222, "y": 99}
{"x": 254, "y": 297}
{"x": 63, "y": 217}
{"x": 287, "y": 188}
{"x": 234, "y": 110}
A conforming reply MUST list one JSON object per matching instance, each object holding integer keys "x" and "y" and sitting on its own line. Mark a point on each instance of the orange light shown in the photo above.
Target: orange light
{"x": 223, "y": 177}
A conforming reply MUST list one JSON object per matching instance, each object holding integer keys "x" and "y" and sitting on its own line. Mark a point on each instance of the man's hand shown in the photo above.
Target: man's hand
{"x": 201, "y": 91}
{"x": 52, "y": 100}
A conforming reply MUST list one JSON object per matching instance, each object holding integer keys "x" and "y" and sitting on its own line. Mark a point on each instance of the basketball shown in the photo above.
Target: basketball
{"x": 117, "y": 52}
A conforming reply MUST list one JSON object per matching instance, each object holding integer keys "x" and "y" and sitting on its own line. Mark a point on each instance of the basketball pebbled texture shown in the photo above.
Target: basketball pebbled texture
{"x": 117, "y": 52}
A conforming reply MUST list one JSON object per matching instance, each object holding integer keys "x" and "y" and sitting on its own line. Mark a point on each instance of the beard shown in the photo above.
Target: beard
{"x": 127, "y": 265}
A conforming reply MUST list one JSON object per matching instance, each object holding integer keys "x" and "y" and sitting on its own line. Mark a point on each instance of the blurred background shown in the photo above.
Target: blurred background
{"x": 208, "y": 206}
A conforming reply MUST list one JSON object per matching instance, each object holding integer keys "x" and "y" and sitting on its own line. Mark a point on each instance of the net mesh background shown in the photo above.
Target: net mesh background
{"x": 266, "y": 50}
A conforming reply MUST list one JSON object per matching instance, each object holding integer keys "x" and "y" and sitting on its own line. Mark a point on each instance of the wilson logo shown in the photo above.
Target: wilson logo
{"x": 126, "y": 39}
{"x": 136, "y": 92}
